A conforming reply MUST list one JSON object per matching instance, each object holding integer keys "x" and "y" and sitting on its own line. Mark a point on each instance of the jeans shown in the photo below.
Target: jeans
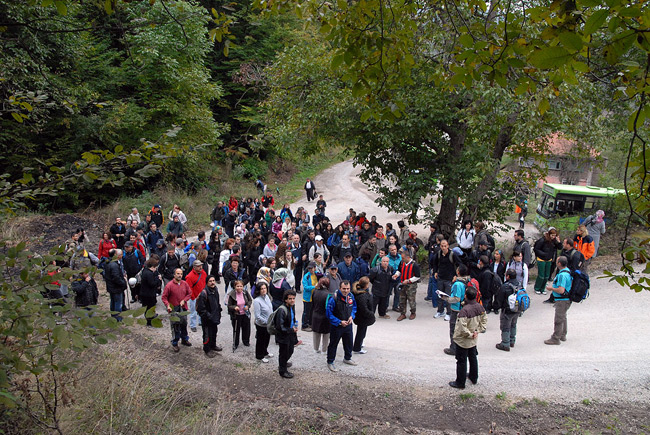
{"x": 194, "y": 316}
{"x": 543, "y": 274}
{"x": 380, "y": 303}
{"x": 560, "y": 322}
{"x": 445, "y": 287}
{"x": 508, "y": 325}
{"x": 394, "y": 289}
{"x": 336, "y": 334}
{"x": 262, "y": 339}
{"x": 209, "y": 336}
{"x": 359, "y": 337}
{"x": 117, "y": 304}
{"x": 453, "y": 315}
{"x": 306, "y": 314}
{"x": 431, "y": 290}
{"x": 462, "y": 355}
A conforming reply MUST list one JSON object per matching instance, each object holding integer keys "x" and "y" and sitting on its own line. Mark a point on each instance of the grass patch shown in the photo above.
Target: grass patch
{"x": 586, "y": 402}
{"x": 466, "y": 396}
{"x": 501, "y": 395}
{"x": 540, "y": 402}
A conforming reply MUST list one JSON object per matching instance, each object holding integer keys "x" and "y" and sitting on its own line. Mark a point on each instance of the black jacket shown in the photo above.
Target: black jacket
{"x": 524, "y": 247}
{"x": 319, "y": 321}
{"x": 338, "y": 253}
{"x": 365, "y": 313}
{"x": 285, "y": 334}
{"x": 86, "y": 292}
{"x": 381, "y": 281}
{"x": 151, "y": 284}
{"x": 133, "y": 262}
{"x": 115, "y": 282}
{"x": 508, "y": 288}
{"x": 229, "y": 276}
{"x": 208, "y": 306}
{"x": 546, "y": 250}
{"x": 574, "y": 258}
{"x": 444, "y": 265}
{"x": 232, "y": 302}
{"x": 168, "y": 265}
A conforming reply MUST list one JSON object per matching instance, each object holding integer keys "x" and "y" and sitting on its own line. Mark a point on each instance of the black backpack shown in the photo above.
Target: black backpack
{"x": 579, "y": 286}
{"x": 491, "y": 243}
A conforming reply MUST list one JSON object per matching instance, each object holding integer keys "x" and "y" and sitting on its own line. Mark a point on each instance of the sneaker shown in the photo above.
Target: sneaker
{"x": 361, "y": 352}
{"x": 193, "y": 329}
{"x": 176, "y": 348}
{"x": 438, "y": 314}
{"x": 287, "y": 375}
{"x": 300, "y": 343}
{"x": 552, "y": 342}
{"x": 496, "y": 311}
{"x": 332, "y": 367}
{"x": 264, "y": 360}
{"x": 307, "y": 329}
{"x": 269, "y": 355}
{"x": 401, "y": 317}
{"x": 537, "y": 292}
{"x": 210, "y": 354}
{"x": 317, "y": 351}
{"x": 500, "y": 346}
{"x": 349, "y": 362}
{"x": 448, "y": 351}
{"x": 386, "y": 316}
{"x": 447, "y": 317}
{"x": 543, "y": 292}
{"x": 186, "y": 343}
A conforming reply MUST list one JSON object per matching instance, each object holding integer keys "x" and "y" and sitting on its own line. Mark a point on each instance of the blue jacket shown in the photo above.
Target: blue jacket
{"x": 352, "y": 273}
{"x": 331, "y": 302}
{"x": 394, "y": 262}
{"x": 457, "y": 291}
{"x": 307, "y": 287}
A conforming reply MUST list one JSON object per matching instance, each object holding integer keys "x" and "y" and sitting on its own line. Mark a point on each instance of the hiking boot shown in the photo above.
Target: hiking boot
{"x": 332, "y": 367}
{"x": 289, "y": 364}
{"x": 210, "y": 354}
{"x": 500, "y": 346}
{"x": 512, "y": 345}
{"x": 552, "y": 341}
{"x": 448, "y": 351}
{"x": 412, "y": 316}
{"x": 176, "y": 348}
{"x": 186, "y": 343}
{"x": 401, "y": 317}
{"x": 287, "y": 375}
{"x": 454, "y": 384}
{"x": 217, "y": 348}
{"x": 349, "y": 362}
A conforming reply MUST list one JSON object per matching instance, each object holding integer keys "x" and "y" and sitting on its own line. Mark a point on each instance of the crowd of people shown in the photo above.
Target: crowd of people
{"x": 260, "y": 258}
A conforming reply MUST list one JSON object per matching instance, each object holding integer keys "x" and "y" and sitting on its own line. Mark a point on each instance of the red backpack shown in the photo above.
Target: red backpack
{"x": 474, "y": 284}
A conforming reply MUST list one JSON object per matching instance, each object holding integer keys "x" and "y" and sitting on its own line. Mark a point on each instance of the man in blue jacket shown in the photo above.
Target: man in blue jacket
{"x": 341, "y": 309}
{"x": 348, "y": 269}
{"x": 561, "y": 287}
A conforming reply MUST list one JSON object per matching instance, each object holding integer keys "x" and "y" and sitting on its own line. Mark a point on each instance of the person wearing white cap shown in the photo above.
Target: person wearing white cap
{"x": 319, "y": 247}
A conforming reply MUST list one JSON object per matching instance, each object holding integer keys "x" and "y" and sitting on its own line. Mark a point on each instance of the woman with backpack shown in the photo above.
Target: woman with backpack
{"x": 365, "y": 313}
{"x": 498, "y": 264}
{"x": 517, "y": 263}
{"x": 545, "y": 249}
{"x": 239, "y": 305}
{"x": 262, "y": 307}
{"x": 465, "y": 237}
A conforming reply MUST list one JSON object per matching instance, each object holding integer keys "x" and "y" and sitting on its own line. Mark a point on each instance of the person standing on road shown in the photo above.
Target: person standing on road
{"x": 409, "y": 275}
{"x": 523, "y": 246}
{"x": 320, "y": 323}
{"x": 454, "y": 300}
{"x": 151, "y": 285}
{"x": 175, "y": 297}
{"x": 443, "y": 266}
{"x": 310, "y": 188}
{"x": 561, "y": 287}
{"x": 287, "y": 326}
{"x": 196, "y": 279}
{"x": 365, "y": 313}
{"x": 545, "y": 249}
{"x": 262, "y": 307}
{"x": 239, "y": 305}
{"x": 575, "y": 261}
{"x": 465, "y": 237}
{"x": 507, "y": 318}
{"x": 341, "y": 311}
{"x": 596, "y": 227}
{"x": 309, "y": 283}
{"x": 394, "y": 260}
{"x": 115, "y": 281}
{"x": 209, "y": 309}
{"x": 471, "y": 321}
{"x": 520, "y": 267}
{"x": 585, "y": 244}
{"x": 382, "y": 280}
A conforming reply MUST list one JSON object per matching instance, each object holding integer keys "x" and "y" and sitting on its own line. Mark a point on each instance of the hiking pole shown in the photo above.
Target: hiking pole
{"x": 235, "y": 332}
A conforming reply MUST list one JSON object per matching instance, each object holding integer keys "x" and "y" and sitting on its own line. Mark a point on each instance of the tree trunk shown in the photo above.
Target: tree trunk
{"x": 449, "y": 201}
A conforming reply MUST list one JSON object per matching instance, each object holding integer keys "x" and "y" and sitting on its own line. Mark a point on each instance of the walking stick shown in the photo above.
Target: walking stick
{"x": 235, "y": 333}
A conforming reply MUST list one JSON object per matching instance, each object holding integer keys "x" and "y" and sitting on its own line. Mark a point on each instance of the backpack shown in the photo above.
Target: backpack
{"x": 363, "y": 266}
{"x": 474, "y": 284}
{"x": 491, "y": 243}
{"x": 579, "y": 286}
{"x": 270, "y": 323}
{"x": 496, "y": 283}
{"x": 184, "y": 261}
{"x": 518, "y": 301}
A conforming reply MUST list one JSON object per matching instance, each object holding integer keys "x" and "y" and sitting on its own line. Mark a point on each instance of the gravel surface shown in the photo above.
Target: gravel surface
{"x": 604, "y": 358}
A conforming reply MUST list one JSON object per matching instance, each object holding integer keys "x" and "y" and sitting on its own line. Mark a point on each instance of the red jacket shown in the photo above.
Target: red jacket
{"x": 175, "y": 293}
{"x": 105, "y": 246}
{"x": 140, "y": 247}
{"x": 585, "y": 245}
{"x": 196, "y": 282}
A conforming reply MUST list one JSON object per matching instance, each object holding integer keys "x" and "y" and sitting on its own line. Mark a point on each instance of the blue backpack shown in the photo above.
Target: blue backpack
{"x": 519, "y": 301}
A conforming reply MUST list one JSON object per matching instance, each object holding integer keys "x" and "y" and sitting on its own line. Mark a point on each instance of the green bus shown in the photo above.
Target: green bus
{"x": 567, "y": 205}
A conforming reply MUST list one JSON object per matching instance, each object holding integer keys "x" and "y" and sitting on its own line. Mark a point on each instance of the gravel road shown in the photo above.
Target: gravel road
{"x": 604, "y": 358}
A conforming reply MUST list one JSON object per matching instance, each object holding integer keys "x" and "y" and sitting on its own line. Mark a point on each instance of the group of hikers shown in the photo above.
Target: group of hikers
{"x": 261, "y": 258}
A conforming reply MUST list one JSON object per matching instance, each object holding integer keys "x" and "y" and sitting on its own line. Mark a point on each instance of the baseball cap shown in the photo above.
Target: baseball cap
{"x": 348, "y": 255}
{"x": 179, "y": 241}
{"x": 333, "y": 266}
{"x": 311, "y": 265}
{"x": 197, "y": 263}
{"x": 319, "y": 237}
{"x": 156, "y": 206}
